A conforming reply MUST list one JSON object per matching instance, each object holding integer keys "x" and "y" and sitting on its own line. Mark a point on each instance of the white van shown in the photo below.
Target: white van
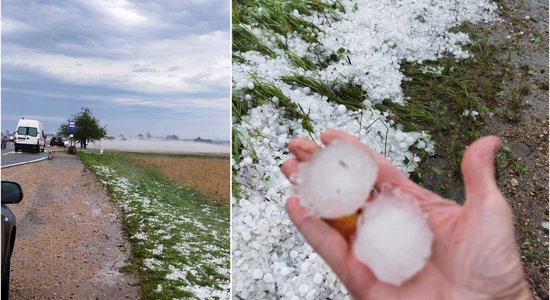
{"x": 29, "y": 135}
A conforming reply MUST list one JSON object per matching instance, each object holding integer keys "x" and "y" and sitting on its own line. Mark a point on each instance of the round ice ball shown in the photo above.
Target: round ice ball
{"x": 337, "y": 180}
{"x": 393, "y": 236}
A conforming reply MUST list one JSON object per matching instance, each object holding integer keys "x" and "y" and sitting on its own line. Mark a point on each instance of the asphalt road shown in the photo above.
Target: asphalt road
{"x": 11, "y": 158}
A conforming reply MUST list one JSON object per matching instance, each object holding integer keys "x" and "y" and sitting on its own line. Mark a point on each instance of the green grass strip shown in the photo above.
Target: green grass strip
{"x": 180, "y": 239}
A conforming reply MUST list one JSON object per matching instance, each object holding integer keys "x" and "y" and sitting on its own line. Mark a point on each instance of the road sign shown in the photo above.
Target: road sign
{"x": 72, "y": 126}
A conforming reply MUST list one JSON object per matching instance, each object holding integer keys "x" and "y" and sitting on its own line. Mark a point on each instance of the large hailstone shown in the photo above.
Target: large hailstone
{"x": 393, "y": 236}
{"x": 337, "y": 180}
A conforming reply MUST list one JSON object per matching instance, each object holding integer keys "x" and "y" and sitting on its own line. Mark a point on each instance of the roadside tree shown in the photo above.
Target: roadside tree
{"x": 88, "y": 128}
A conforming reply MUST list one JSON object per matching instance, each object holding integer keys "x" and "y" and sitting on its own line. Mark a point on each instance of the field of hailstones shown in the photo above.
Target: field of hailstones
{"x": 300, "y": 67}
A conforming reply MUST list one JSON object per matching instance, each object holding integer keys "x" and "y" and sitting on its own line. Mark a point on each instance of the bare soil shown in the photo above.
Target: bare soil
{"x": 69, "y": 242}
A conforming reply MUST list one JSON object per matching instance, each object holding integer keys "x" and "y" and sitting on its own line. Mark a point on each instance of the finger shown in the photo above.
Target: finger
{"x": 326, "y": 241}
{"x": 387, "y": 172}
{"x": 478, "y": 170}
{"x": 302, "y": 148}
{"x": 289, "y": 168}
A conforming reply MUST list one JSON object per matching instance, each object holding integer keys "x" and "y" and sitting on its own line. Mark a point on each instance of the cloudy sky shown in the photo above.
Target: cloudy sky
{"x": 141, "y": 66}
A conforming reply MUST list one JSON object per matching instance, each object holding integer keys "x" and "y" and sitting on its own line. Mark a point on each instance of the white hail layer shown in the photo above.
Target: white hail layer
{"x": 268, "y": 254}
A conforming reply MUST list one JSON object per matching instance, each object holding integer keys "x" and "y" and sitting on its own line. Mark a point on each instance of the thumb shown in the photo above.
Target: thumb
{"x": 478, "y": 170}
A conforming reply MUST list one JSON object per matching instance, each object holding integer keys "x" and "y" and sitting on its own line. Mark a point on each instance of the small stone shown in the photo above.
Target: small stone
{"x": 514, "y": 182}
{"x": 545, "y": 225}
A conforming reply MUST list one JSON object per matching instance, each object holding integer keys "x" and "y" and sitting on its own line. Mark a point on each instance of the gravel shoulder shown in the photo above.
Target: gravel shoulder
{"x": 525, "y": 26}
{"x": 69, "y": 241}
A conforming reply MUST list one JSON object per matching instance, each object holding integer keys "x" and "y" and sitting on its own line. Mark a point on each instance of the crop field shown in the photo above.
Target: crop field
{"x": 207, "y": 174}
{"x": 179, "y": 237}
{"x": 415, "y": 80}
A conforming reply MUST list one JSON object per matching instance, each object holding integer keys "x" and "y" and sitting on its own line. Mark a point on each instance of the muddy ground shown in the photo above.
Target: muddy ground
{"x": 69, "y": 242}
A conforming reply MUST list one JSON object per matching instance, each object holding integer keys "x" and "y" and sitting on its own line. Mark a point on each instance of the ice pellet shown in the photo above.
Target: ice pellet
{"x": 257, "y": 274}
{"x": 318, "y": 279}
{"x": 303, "y": 289}
{"x": 285, "y": 271}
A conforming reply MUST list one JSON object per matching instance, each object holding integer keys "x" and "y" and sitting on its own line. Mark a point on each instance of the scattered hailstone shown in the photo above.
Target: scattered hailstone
{"x": 393, "y": 236}
{"x": 341, "y": 109}
{"x": 318, "y": 279}
{"x": 257, "y": 274}
{"x": 337, "y": 181}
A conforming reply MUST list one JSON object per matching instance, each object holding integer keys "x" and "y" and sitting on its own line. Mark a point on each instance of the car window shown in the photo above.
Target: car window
{"x": 32, "y": 131}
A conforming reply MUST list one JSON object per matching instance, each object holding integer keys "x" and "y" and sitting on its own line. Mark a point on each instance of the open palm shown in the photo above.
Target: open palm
{"x": 474, "y": 255}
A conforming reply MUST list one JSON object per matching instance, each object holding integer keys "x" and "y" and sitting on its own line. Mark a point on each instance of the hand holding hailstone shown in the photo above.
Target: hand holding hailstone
{"x": 404, "y": 242}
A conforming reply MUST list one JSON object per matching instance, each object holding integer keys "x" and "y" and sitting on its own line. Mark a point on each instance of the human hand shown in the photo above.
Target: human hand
{"x": 474, "y": 255}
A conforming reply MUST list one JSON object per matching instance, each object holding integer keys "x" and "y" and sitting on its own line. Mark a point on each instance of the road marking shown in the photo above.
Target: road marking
{"x": 11, "y": 152}
{"x": 25, "y": 162}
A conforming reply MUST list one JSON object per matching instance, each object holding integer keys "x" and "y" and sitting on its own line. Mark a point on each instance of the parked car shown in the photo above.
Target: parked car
{"x": 11, "y": 193}
{"x": 4, "y": 141}
{"x": 56, "y": 140}
{"x": 30, "y": 135}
